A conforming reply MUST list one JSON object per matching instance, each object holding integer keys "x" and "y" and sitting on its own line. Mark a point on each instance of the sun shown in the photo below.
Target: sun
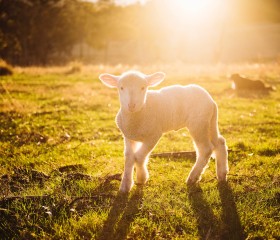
{"x": 191, "y": 6}
{"x": 190, "y": 28}
{"x": 195, "y": 10}
{"x": 194, "y": 15}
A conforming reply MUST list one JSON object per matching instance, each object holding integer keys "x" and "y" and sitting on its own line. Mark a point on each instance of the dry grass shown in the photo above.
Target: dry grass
{"x": 178, "y": 69}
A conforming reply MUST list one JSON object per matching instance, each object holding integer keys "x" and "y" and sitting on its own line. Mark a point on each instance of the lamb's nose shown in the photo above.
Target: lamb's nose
{"x": 131, "y": 106}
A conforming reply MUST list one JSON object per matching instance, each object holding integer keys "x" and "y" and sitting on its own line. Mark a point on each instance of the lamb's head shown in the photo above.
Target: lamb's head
{"x": 235, "y": 76}
{"x": 132, "y": 87}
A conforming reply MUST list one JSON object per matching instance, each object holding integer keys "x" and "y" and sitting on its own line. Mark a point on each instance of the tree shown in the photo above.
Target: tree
{"x": 33, "y": 31}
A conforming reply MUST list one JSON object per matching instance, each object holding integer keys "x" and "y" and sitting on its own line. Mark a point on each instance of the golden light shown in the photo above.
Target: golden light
{"x": 192, "y": 27}
{"x": 196, "y": 10}
{"x": 193, "y": 7}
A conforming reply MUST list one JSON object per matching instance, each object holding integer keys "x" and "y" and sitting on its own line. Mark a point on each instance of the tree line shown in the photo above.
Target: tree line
{"x": 41, "y": 32}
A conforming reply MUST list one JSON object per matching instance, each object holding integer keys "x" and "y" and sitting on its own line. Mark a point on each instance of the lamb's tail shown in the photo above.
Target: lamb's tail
{"x": 220, "y": 147}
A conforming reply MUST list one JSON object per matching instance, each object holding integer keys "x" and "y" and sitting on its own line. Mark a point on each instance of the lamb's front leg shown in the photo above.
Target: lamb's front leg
{"x": 129, "y": 151}
{"x": 141, "y": 160}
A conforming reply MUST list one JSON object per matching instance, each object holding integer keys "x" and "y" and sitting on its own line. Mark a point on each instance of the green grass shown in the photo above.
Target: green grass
{"x": 61, "y": 156}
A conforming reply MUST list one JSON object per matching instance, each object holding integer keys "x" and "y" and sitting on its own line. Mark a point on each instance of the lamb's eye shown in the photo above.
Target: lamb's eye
{"x": 121, "y": 88}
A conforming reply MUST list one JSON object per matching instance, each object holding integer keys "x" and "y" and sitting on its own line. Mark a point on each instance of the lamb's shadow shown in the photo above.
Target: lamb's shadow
{"x": 121, "y": 215}
{"x": 232, "y": 228}
{"x": 209, "y": 226}
{"x": 206, "y": 220}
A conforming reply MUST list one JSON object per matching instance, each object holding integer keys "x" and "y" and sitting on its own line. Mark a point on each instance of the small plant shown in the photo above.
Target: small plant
{"x": 74, "y": 67}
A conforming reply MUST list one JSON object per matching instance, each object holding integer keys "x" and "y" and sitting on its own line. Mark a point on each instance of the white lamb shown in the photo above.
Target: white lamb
{"x": 145, "y": 115}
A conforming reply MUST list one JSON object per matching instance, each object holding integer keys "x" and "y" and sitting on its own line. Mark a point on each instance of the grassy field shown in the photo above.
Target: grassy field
{"x": 61, "y": 162}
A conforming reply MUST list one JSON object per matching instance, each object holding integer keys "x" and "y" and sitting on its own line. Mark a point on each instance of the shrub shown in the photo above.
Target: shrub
{"x": 75, "y": 67}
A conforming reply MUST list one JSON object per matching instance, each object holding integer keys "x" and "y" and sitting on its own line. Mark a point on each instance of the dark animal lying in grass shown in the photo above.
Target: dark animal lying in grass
{"x": 4, "y": 71}
{"x": 241, "y": 83}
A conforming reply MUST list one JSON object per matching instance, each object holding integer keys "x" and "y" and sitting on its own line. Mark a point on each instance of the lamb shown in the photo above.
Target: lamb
{"x": 145, "y": 115}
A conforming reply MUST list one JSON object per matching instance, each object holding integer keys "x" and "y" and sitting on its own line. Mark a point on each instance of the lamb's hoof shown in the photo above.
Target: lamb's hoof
{"x": 141, "y": 181}
{"x": 191, "y": 181}
{"x": 222, "y": 180}
{"x": 222, "y": 177}
{"x": 193, "y": 178}
{"x": 126, "y": 187}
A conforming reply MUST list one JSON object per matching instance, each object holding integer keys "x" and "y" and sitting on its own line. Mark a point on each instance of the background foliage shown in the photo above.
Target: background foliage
{"x": 44, "y": 32}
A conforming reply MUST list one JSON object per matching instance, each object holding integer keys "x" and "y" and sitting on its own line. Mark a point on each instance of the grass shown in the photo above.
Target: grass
{"x": 61, "y": 160}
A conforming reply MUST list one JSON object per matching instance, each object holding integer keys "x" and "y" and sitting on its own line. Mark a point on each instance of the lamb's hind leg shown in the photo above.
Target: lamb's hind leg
{"x": 221, "y": 159}
{"x": 204, "y": 149}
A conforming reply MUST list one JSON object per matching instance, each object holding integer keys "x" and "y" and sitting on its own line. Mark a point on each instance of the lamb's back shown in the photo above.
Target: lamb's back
{"x": 175, "y": 105}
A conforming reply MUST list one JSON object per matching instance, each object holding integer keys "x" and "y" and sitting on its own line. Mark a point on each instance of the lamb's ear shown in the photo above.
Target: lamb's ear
{"x": 109, "y": 80}
{"x": 155, "y": 79}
